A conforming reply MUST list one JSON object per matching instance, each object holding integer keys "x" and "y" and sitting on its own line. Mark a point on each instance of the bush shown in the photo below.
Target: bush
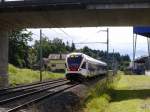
{"x": 99, "y": 96}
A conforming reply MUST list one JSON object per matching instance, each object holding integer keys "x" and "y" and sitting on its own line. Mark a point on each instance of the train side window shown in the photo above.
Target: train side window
{"x": 83, "y": 65}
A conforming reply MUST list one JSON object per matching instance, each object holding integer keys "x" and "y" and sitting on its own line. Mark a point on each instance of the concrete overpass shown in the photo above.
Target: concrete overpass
{"x": 66, "y": 13}
{"x": 73, "y": 13}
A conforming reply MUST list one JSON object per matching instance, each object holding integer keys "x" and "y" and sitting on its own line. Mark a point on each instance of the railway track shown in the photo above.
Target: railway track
{"x": 13, "y": 99}
{"x": 28, "y": 85}
{"x": 27, "y": 88}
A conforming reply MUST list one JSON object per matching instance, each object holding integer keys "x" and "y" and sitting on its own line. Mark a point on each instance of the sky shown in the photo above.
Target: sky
{"x": 121, "y": 38}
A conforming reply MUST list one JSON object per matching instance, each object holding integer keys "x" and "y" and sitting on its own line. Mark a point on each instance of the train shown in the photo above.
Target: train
{"x": 80, "y": 66}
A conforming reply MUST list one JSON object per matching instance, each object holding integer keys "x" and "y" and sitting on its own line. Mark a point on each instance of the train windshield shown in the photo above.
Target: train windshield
{"x": 74, "y": 62}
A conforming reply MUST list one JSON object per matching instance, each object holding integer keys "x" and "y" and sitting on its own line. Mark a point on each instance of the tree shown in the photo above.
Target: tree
{"x": 59, "y": 45}
{"x": 73, "y": 48}
{"x": 48, "y": 47}
{"x": 18, "y": 47}
{"x": 68, "y": 48}
{"x": 32, "y": 57}
{"x": 121, "y": 60}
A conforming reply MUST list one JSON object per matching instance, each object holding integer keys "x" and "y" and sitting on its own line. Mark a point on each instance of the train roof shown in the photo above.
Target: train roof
{"x": 88, "y": 58}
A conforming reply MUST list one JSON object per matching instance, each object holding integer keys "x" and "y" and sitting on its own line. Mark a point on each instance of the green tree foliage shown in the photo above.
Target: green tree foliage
{"x": 73, "y": 48}
{"x": 32, "y": 57}
{"x": 46, "y": 47}
{"x": 122, "y": 61}
{"x": 18, "y": 48}
{"x": 68, "y": 47}
{"x": 49, "y": 47}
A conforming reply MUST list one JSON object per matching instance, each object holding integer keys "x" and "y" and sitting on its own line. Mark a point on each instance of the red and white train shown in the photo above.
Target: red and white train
{"x": 80, "y": 66}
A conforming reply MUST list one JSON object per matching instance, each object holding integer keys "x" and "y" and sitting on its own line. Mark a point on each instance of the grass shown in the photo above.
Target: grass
{"x": 24, "y": 76}
{"x": 125, "y": 106}
{"x": 98, "y": 98}
{"x": 97, "y": 104}
{"x": 127, "y": 93}
{"x": 133, "y": 82}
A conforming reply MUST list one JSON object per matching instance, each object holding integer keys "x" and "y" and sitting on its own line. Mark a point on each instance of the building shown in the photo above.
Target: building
{"x": 57, "y": 62}
{"x": 141, "y": 65}
{"x": 44, "y": 64}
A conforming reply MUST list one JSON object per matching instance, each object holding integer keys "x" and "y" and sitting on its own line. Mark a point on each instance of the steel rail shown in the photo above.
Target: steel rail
{"x": 5, "y": 101}
{"x": 35, "y": 83}
{"x": 30, "y": 87}
{"x": 39, "y": 99}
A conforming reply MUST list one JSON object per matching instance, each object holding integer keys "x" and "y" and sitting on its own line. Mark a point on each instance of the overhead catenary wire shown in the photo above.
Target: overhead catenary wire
{"x": 91, "y": 43}
{"x": 64, "y": 32}
{"x": 55, "y": 32}
{"x": 83, "y": 42}
{"x": 68, "y": 35}
{"x": 61, "y": 33}
{"x": 35, "y": 35}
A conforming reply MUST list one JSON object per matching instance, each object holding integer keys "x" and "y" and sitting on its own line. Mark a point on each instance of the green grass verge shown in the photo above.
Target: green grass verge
{"x": 97, "y": 104}
{"x": 135, "y": 82}
{"x": 24, "y": 76}
{"x": 98, "y": 97}
{"x": 127, "y": 93}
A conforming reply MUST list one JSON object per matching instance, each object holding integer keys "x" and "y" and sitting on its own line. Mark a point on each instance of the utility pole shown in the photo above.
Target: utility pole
{"x": 107, "y": 42}
{"x": 41, "y": 56}
{"x": 113, "y": 63}
{"x": 107, "y": 50}
{"x": 148, "y": 42}
{"x": 134, "y": 48}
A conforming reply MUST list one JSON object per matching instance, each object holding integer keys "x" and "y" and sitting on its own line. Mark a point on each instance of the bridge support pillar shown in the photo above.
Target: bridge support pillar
{"x": 3, "y": 58}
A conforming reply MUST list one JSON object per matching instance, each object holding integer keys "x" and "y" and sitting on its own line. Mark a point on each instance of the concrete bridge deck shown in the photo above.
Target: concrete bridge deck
{"x": 73, "y": 13}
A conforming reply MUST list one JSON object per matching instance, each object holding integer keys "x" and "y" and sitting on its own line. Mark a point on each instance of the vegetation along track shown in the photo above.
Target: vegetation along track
{"x": 19, "y": 97}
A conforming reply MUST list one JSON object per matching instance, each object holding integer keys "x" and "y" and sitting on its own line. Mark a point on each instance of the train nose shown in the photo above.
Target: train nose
{"x": 73, "y": 68}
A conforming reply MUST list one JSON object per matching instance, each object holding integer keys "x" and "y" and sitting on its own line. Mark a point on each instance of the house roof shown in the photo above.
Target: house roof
{"x": 57, "y": 56}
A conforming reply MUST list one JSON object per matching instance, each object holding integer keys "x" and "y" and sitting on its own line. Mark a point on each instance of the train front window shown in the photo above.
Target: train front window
{"x": 74, "y": 62}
